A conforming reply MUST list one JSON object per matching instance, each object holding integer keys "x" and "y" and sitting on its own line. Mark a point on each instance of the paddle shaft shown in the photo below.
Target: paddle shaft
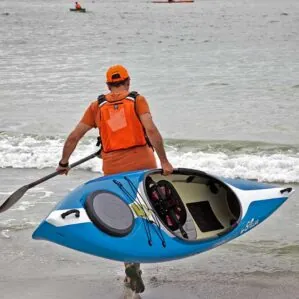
{"x": 52, "y": 175}
{"x": 13, "y": 198}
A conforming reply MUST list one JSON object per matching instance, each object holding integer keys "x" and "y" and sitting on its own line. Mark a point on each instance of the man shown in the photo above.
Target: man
{"x": 128, "y": 136}
{"x": 78, "y": 6}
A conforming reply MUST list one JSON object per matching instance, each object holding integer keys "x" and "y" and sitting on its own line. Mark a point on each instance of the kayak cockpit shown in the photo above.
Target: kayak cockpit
{"x": 192, "y": 204}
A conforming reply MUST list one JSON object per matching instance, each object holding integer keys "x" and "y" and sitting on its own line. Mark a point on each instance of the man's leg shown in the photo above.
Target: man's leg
{"x": 133, "y": 277}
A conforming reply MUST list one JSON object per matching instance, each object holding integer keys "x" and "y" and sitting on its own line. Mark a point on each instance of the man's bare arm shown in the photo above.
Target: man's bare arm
{"x": 72, "y": 141}
{"x": 156, "y": 140}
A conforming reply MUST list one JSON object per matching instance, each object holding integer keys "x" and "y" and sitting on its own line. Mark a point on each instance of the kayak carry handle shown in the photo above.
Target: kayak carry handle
{"x": 289, "y": 189}
{"x": 77, "y": 213}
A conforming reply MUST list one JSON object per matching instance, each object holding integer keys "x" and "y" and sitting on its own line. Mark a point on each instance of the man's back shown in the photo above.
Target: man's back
{"x": 135, "y": 158}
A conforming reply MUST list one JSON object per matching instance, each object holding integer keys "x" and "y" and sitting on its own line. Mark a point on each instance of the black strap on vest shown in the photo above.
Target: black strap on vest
{"x": 101, "y": 99}
{"x": 132, "y": 94}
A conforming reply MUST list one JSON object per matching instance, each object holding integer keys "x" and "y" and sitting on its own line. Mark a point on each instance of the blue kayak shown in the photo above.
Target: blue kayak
{"x": 143, "y": 216}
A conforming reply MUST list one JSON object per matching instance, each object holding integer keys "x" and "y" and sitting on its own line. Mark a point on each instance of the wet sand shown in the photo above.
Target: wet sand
{"x": 88, "y": 280}
{"x": 32, "y": 270}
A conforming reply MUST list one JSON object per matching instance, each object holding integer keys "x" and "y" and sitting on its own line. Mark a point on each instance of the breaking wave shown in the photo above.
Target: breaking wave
{"x": 244, "y": 159}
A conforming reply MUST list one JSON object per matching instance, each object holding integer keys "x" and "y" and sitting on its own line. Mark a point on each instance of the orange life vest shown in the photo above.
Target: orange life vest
{"x": 120, "y": 126}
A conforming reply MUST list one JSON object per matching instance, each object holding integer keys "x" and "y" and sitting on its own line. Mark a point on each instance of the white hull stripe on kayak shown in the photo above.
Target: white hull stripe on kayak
{"x": 55, "y": 218}
{"x": 246, "y": 197}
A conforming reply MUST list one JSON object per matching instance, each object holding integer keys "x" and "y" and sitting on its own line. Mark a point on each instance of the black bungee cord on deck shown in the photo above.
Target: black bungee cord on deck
{"x": 156, "y": 221}
{"x": 144, "y": 221}
{"x": 147, "y": 221}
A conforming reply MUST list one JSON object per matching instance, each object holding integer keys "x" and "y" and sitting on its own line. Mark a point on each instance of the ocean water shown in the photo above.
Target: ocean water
{"x": 222, "y": 82}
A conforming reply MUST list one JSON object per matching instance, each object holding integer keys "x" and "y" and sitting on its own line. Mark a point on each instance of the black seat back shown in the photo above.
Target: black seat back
{"x": 167, "y": 203}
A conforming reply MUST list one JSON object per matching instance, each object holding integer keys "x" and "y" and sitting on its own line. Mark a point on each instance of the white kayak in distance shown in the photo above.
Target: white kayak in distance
{"x": 143, "y": 216}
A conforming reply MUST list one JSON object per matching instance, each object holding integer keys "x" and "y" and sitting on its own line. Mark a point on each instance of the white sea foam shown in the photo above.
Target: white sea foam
{"x": 5, "y": 233}
{"x": 44, "y": 193}
{"x": 23, "y": 206}
{"x": 265, "y": 163}
{"x": 271, "y": 168}
{"x": 10, "y": 225}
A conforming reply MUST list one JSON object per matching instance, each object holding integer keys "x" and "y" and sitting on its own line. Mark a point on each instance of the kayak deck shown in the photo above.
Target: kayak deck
{"x": 78, "y": 10}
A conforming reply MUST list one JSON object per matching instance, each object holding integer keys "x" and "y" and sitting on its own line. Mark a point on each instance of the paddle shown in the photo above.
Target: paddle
{"x": 13, "y": 198}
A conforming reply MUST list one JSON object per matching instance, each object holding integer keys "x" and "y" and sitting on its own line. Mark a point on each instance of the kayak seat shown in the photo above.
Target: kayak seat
{"x": 167, "y": 203}
{"x": 204, "y": 216}
{"x": 109, "y": 213}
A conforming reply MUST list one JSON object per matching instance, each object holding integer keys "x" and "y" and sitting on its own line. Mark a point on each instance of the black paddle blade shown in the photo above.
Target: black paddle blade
{"x": 11, "y": 200}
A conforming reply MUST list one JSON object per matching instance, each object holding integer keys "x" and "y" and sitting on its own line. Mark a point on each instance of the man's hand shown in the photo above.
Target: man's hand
{"x": 167, "y": 168}
{"x": 63, "y": 170}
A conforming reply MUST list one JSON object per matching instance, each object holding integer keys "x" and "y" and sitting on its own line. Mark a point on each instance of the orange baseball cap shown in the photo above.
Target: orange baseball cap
{"x": 116, "y": 73}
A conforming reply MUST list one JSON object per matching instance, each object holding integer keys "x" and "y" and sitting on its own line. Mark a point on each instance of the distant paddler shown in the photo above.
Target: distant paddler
{"x": 78, "y": 6}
